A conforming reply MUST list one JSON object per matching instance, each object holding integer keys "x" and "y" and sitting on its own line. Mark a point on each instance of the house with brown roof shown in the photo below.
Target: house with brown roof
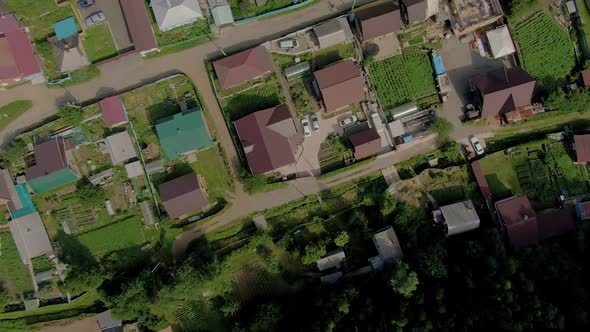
{"x": 244, "y": 66}
{"x": 269, "y": 139}
{"x": 340, "y": 85}
{"x": 52, "y": 166}
{"x": 183, "y": 195}
{"x": 503, "y": 91}
{"x": 582, "y": 148}
{"x": 376, "y": 20}
{"x": 17, "y": 57}
{"x": 113, "y": 111}
{"x": 8, "y": 196}
{"x": 366, "y": 143}
{"x": 413, "y": 11}
{"x": 525, "y": 227}
{"x": 586, "y": 77}
{"x": 139, "y": 26}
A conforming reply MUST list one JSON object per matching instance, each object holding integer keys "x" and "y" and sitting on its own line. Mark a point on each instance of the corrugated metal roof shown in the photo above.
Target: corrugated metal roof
{"x": 183, "y": 133}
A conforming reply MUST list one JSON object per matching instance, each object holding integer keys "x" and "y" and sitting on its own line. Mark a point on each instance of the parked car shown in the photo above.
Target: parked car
{"x": 348, "y": 120}
{"x": 306, "y": 128}
{"x": 288, "y": 43}
{"x": 95, "y": 18}
{"x": 476, "y": 145}
{"x": 315, "y": 123}
{"x": 85, "y": 3}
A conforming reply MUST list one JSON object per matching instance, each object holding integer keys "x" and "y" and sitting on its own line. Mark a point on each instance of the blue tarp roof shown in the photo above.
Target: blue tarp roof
{"x": 65, "y": 28}
{"x": 437, "y": 63}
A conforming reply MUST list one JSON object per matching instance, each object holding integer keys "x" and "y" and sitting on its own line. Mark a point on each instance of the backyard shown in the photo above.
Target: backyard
{"x": 10, "y": 112}
{"x": 211, "y": 166}
{"x": 245, "y": 8}
{"x": 402, "y": 78}
{"x": 547, "y": 52}
{"x": 258, "y": 97}
{"x": 333, "y": 153}
{"x": 301, "y": 94}
{"x": 98, "y": 43}
{"x": 117, "y": 236}
{"x": 13, "y": 273}
{"x": 541, "y": 169}
{"x": 317, "y": 59}
{"x": 38, "y": 15}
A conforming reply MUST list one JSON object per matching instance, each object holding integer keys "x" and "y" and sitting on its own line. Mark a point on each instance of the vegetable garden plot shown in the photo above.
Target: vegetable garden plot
{"x": 402, "y": 78}
{"x": 547, "y": 53}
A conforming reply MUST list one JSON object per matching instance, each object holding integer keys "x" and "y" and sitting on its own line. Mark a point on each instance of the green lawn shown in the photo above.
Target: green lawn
{"x": 266, "y": 95}
{"x": 210, "y": 165}
{"x": 246, "y": 8}
{"x": 402, "y": 78}
{"x": 98, "y": 43}
{"x": 187, "y": 32}
{"x": 500, "y": 174}
{"x": 120, "y": 235}
{"x": 38, "y": 15}
{"x": 13, "y": 273}
{"x": 11, "y": 111}
{"x": 85, "y": 301}
{"x": 547, "y": 52}
{"x": 301, "y": 96}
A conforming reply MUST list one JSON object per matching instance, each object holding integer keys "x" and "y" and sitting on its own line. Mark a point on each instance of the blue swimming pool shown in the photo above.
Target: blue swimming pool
{"x": 25, "y": 198}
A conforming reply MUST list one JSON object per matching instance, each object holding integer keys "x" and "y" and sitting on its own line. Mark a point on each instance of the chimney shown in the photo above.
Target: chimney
{"x": 525, "y": 217}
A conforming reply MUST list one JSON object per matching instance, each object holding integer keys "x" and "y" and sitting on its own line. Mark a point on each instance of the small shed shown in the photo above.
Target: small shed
{"x": 113, "y": 111}
{"x": 404, "y": 110}
{"x": 106, "y": 322}
{"x": 437, "y": 63}
{"x": 583, "y": 210}
{"x": 458, "y": 217}
{"x": 388, "y": 245}
{"x": 221, "y": 12}
{"x": 120, "y": 147}
{"x": 260, "y": 222}
{"x": 500, "y": 42}
{"x": 396, "y": 128}
{"x": 333, "y": 32}
{"x": 332, "y": 259}
{"x": 298, "y": 70}
{"x": 156, "y": 166}
{"x": 65, "y": 28}
{"x": 571, "y": 7}
{"x": 134, "y": 169}
{"x": 100, "y": 178}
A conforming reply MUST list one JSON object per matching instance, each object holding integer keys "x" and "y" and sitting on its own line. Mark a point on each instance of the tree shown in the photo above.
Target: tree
{"x": 135, "y": 300}
{"x": 71, "y": 115}
{"x": 90, "y": 195}
{"x": 573, "y": 101}
{"x": 268, "y": 317}
{"x": 313, "y": 252}
{"x": 342, "y": 239}
{"x": 3, "y": 299}
{"x": 404, "y": 281}
{"x": 442, "y": 127}
{"x": 14, "y": 152}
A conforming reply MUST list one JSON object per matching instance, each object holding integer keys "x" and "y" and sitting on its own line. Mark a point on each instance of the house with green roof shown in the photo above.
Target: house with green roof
{"x": 183, "y": 133}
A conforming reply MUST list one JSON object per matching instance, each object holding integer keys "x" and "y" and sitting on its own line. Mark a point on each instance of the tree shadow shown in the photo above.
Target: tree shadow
{"x": 248, "y": 102}
{"x": 74, "y": 253}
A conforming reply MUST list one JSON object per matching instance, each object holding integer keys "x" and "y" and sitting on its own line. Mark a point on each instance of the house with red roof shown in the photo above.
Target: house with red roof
{"x": 269, "y": 139}
{"x": 247, "y": 65}
{"x": 524, "y": 227}
{"x": 183, "y": 195}
{"x": 113, "y": 111}
{"x": 582, "y": 149}
{"x": 17, "y": 57}
{"x": 8, "y": 195}
{"x": 340, "y": 85}
{"x": 379, "y": 19}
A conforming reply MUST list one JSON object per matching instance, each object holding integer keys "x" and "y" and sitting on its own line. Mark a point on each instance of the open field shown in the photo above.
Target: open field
{"x": 541, "y": 169}
{"x": 11, "y": 111}
{"x": 402, "y": 78}
{"x": 38, "y": 15}
{"x": 13, "y": 273}
{"x": 547, "y": 53}
{"x": 98, "y": 43}
{"x": 120, "y": 235}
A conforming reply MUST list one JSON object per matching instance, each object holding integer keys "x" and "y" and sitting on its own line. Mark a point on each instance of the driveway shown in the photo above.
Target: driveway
{"x": 307, "y": 162}
{"x": 114, "y": 16}
{"x": 462, "y": 63}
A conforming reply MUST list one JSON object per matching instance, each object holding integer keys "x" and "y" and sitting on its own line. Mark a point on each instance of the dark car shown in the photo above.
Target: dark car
{"x": 85, "y": 3}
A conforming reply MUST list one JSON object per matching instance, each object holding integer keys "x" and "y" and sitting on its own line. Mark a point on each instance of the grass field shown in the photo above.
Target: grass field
{"x": 121, "y": 235}
{"x": 402, "y": 78}
{"x": 13, "y": 273}
{"x": 10, "y": 112}
{"x": 266, "y": 95}
{"x": 98, "y": 43}
{"x": 547, "y": 53}
{"x": 245, "y": 8}
{"x": 87, "y": 300}
{"x": 210, "y": 165}
{"x": 316, "y": 59}
{"x": 183, "y": 33}
{"x": 38, "y": 15}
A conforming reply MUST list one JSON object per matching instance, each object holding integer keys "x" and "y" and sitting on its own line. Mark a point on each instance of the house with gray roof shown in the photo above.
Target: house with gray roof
{"x": 120, "y": 147}
{"x": 107, "y": 323}
{"x": 30, "y": 237}
{"x": 332, "y": 259}
{"x": 388, "y": 245}
{"x": 221, "y": 12}
{"x": 171, "y": 14}
{"x": 333, "y": 32}
{"x": 458, "y": 217}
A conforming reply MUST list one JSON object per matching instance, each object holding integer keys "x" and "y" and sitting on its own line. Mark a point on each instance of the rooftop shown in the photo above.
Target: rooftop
{"x": 183, "y": 133}
{"x": 470, "y": 15}
{"x": 378, "y": 20}
{"x": 65, "y": 28}
{"x": 333, "y": 32}
{"x": 388, "y": 245}
{"x": 30, "y": 236}
{"x": 113, "y": 111}
{"x": 243, "y": 66}
{"x": 582, "y": 147}
{"x": 520, "y": 221}
{"x": 500, "y": 41}
{"x": 341, "y": 85}
{"x": 170, "y": 14}
{"x": 332, "y": 259}
{"x": 17, "y": 58}
{"x": 120, "y": 147}
{"x": 366, "y": 143}
{"x": 50, "y": 157}
{"x": 139, "y": 26}
{"x": 182, "y": 195}
{"x": 460, "y": 217}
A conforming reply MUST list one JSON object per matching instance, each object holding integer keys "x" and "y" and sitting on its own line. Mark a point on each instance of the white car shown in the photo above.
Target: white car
{"x": 306, "y": 128}
{"x": 288, "y": 43}
{"x": 315, "y": 123}
{"x": 348, "y": 120}
{"x": 476, "y": 145}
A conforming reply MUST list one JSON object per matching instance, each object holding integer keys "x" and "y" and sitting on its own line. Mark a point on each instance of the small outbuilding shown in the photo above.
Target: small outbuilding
{"x": 582, "y": 148}
{"x": 388, "y": 245}
{"x": 147, "y": 212}
{"x": 583, "y": 210}
{"x": 519, "y": 220}
{"x": 379, "y": 19}
{"x": 182, "y": 195}
{"x": 107, "y": 323}
{"x": 297, "y": 71}
{"x": 30, "y": 237}
{"x": 458, "y": 217}
{"x": 120, "y": 147}
{"x": 100, "y": 178}
{"x": 113, "y": 111}
{"x": 333, "y": 32}
{"x": 500, "y": 41}
{"x": 156, "y": 166}
{"x": 8, "y": 194}
{"x": 134, "y": 169}
{"x": 221, "y": 12}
